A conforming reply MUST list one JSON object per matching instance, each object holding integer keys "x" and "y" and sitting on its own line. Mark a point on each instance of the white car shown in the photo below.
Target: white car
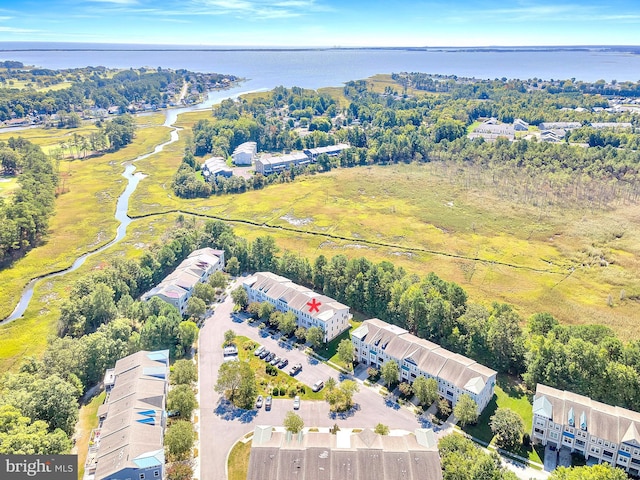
{"x": 259, "y": 401}
{"x": 317, "y": 386}
{"x": 296, "y": 402}
{"x": 258, "y": 350}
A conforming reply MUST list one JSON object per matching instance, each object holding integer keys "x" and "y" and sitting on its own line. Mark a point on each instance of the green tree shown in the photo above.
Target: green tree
{"x": 205, "y": 292}
{"x": 315, "y": 336}
{"x": 182, "y": 399}
{"x": 229, "y": 337}
{"x": 293, "y": 423}
{"x": 444, "y": 409}
{"x": 219, "y": 280}
{"x": 381, "y": 429}
{"x": 19, "y": 436}
{"x": 179, "y": 439}
{"x": 346, "y": 351}
{"x": 240, "y": 297}
{"x": 463, "y": 460}
{"x": 466, "y": 410}
{"x": 507, "y": 426}
{"x": 603, "y": 471}
{"x": 196, "y": 307}
{"x": 541, "y": 323}
{"x": 287, "y": 323}
{"x": 187, "y": 336}
{"x": 390, "y": 372}
{"x": 184, "y": 372}
{"x": 237, "y": 382}
{"x": 233, "y": 266}
{"x": 266, "y": 310}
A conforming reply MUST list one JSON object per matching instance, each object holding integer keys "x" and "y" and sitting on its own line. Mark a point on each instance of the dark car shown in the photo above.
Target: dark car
{"x": 283, "y": 363}
{"x": 264, "y": 354}
{"x": 267, "y": 403}
{"x": 295, "y": 369}
{"x": 269, "y": 357}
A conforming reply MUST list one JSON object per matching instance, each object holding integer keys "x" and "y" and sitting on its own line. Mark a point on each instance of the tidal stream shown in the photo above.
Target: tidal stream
{"x": 122, "y": 206}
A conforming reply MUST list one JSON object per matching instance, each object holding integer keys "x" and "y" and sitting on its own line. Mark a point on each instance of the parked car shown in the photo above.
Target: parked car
{"x": 269, "y": 357}
{"x": 283, "y": 363}
{"x": 259, "y": 350}
{"x": 275, "y": 360}
{"x": 317, "y": 386}
{"x": 295, "y": 369}
{"x": 296, "y": 402}
{"x": 264, "y": 354}
{"x": 259, "y": 401}
{"x": 267, "y": 403}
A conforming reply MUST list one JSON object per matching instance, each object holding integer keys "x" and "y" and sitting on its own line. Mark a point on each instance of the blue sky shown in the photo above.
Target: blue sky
{"x": 323, "y": 22}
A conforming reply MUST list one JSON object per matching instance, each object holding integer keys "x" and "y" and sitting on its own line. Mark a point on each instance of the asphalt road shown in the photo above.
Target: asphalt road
{"x": 220, "y": 426}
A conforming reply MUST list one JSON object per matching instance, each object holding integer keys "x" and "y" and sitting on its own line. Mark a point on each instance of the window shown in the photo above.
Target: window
{"x": 156, "y": 473}
{"x": 142, "y": 476}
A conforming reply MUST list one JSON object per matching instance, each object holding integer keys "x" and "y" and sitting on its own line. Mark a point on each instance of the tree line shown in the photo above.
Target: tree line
{"x": 25, "y": 215}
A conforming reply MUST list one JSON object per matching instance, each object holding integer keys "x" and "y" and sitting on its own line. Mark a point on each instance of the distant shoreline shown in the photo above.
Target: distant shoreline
{"x": 15, "y": 47}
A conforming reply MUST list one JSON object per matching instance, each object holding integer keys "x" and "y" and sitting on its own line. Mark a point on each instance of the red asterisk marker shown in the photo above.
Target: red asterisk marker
{"x": 314, "y": 305}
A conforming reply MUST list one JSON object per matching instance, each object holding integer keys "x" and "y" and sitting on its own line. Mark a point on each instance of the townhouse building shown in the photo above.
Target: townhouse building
{"x": 128, "y": 443}
{"x": 596, "y": 430}
{"x": 311, "y": 309}
{"x": 177, "y": 287}
{"x": 245, "y": 153}
{"x": 377, "y": 342}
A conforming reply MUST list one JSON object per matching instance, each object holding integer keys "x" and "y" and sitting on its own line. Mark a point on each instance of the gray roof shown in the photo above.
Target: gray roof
{"x": 554, "y": 125}
{"x": 604, "y": 421}
{"x": 132, "y": 433}
{"x": 429, "y": 357}
{"x": 295, "y": 296}
{"x": 365, "y": 455}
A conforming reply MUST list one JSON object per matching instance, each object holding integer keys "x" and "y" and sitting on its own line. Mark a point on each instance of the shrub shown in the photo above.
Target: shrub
{"x": 275, "y": 392}
{"x": 292, "y": 391}
{"x": 283, "y": 391}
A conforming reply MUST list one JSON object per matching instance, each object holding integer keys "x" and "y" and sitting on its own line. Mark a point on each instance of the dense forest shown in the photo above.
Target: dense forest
{"x": 25, "y": 215}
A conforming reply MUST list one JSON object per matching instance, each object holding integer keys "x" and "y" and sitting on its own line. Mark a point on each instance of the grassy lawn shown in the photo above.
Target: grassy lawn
{"x": 238, "y": 465}
{"x": 87, "y": 422}
{"x": 508, "y": 394}
{"x": 330, "y": 351}
{"x": 267, "y": 382}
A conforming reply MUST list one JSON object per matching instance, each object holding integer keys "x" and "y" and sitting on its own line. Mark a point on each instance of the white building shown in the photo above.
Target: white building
{"x": 178, "y": 286}
{"x": 311, "y": 309}
{"x": 245, "y": 153}
{"x": 330, "y": 150}
{"x": 215, "y": 166}
{"x": 377, "y": 342}
{"x": 596, "y": 430}
{"x": 267, "y": 164}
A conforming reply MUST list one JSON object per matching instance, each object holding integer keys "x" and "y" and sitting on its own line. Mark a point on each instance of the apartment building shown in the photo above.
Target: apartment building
{"x": 310, "y": 308}
{"x": 377, "y": 342}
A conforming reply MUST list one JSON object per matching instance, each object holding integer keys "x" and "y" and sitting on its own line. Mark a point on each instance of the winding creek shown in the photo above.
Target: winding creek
{"x": 122, "y": 206}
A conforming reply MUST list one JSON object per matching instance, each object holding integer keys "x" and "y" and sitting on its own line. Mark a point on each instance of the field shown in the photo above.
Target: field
{"x": 7, "y": 186}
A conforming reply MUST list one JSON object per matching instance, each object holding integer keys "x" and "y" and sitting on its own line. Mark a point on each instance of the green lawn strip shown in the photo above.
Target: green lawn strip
{"x": 267, "y": 382}
{"x": 88, "y": 421}
{"x": 238, "y": 465}
{"x": 508, "y": 394}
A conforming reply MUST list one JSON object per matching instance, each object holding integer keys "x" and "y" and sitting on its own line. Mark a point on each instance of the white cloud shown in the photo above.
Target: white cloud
{"x": 15, "y": 30}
